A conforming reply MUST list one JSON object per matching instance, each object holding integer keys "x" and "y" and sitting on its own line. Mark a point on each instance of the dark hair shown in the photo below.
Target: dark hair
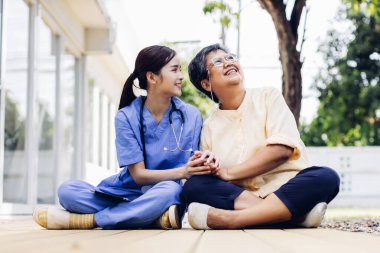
{"x": 149, "y": 59}
{"x": 198, "y": 69}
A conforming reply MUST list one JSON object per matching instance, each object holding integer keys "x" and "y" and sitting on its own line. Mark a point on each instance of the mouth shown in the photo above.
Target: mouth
{"x": 230, "y": 71}
{"x": 179, "y": 85}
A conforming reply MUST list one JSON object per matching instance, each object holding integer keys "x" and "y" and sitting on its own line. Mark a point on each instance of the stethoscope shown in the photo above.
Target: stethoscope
{"x": 177, "y": 140}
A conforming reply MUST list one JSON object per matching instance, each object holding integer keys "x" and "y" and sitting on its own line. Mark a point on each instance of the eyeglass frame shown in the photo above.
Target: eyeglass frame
{"x": 223, "y": 59}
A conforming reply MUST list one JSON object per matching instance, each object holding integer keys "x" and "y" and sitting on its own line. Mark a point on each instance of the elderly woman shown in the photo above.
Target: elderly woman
{"x": 264, "y": 176}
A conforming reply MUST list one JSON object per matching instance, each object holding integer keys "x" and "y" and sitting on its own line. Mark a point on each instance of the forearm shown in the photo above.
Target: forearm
{"x": 263, "y": 161}
{"x": 146, "y": 176}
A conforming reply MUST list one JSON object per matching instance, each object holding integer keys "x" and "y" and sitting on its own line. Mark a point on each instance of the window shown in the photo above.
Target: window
{"x": 15, "y": 88}
{"x": 104, "y": 126}
{"x": 68, "y": 105}
{"x": 46, "y": 83}
{"x": 89, "y": 120}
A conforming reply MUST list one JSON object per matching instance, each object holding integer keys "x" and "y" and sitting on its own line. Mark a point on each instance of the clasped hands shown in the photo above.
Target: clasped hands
{"x": 203, "y": 163}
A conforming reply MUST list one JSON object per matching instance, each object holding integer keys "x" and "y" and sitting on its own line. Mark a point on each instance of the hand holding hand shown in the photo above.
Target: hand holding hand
{"x": 211, "y": 159}
{"x": 196, "y": 165}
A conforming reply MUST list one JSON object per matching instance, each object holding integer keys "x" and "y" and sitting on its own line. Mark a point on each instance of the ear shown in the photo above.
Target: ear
{"x": 150, "y": 77}
{"x": 206, "y": 85}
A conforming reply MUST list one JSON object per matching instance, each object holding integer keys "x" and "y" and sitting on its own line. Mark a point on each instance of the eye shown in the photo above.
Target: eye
{"x": 230, "y": 58}
{"x": 217, "y": 61}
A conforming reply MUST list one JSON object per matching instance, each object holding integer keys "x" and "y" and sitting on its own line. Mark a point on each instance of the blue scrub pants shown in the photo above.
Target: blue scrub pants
{"x": 76, "y": 197}
{"x": 300, "y": 194}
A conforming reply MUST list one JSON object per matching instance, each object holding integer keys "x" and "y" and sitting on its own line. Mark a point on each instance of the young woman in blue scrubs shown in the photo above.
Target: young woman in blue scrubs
{"x": 156, "y": 140}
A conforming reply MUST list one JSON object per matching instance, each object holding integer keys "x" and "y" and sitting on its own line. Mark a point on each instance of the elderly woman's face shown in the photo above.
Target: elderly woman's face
{"x": 223, "y": 68}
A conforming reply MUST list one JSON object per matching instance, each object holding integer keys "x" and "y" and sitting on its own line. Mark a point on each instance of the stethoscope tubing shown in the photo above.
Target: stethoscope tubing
{"x": 172, "y": 110}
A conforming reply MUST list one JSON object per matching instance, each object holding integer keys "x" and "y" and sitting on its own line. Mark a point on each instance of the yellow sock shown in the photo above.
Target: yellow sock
{"x": 81, "y": 221}
{"x": 41, "y": 217}
{"x": 163, "y": 221}
{"x": 58, "y": 218}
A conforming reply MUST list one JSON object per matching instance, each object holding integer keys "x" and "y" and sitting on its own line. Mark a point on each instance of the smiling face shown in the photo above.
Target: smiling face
{"x": 169, "y": 81}
{"x": 223, "y": 71}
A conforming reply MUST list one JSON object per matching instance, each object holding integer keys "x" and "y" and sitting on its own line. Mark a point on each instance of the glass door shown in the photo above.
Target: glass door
{"x": 14, "y": 92}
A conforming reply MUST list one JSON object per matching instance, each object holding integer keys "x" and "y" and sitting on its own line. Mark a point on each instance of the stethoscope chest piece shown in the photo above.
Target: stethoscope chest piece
{"x": 174, "y": 109}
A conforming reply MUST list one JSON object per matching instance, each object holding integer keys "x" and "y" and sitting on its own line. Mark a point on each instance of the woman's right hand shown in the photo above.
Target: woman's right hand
{"x": 196, "y": 166}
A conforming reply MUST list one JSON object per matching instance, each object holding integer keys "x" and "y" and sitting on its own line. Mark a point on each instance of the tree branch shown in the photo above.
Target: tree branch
{"x": 296, "y": 16}
{"x": 304, "y": 32}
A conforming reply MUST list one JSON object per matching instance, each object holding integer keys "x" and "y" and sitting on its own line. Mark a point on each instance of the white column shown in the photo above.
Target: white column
{"x": 95, "y": 125}
{"x": 104, "y": 131}
{"x": 79, "y": 120}
{"x": 58, "y": 123}
{"x": 2, "y": 102}
{"x": 31, "y": 142}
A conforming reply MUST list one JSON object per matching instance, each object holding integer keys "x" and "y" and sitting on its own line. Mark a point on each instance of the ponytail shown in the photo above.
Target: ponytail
{"x": 152, "y": 59}
{"x": 127, "y": 95}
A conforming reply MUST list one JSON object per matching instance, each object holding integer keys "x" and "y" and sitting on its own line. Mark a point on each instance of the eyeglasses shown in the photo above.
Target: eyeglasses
{"x": 218, "y": 61}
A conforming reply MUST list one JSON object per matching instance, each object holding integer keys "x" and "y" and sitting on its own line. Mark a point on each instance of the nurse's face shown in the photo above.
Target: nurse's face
{"x": 223, "y": 69}
{"x": 171, "y": 78}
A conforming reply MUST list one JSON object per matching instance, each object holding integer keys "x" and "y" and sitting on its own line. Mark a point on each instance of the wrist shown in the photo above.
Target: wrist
{"x": 229, "y": 176}
{"x": 182, "y": 172}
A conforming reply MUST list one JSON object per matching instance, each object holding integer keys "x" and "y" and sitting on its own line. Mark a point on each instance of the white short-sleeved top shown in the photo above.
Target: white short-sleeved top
{"x": 262, "y": 119}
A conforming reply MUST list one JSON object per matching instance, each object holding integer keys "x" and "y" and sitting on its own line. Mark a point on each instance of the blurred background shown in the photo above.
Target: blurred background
{"x": 64, "y": 62}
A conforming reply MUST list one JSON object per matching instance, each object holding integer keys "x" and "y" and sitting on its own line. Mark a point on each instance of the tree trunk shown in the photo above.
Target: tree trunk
{"x": 289, "y": 56}
{"x": 291, "y": 76}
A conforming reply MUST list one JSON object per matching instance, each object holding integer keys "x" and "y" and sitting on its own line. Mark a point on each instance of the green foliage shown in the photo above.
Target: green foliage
{"x": 14, "y": 130}
{"x": 226, "y": 13}
{"x": 367, "y": 7}
{"x": 191, "y": 95}
{"x": 349, "y": 87}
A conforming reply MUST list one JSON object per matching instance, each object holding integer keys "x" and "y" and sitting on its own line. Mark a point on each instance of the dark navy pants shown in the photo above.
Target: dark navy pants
{"x": 300, "y": 194}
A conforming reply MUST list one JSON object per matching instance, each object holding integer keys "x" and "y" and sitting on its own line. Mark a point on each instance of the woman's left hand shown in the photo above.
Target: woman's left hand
{"x": 211, "y": 161}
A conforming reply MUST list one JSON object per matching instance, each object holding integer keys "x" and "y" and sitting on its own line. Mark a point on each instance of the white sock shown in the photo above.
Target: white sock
{"x": 58, "y": 218}
{"x": 314, "y": 218}
{"x": 197, "y": 215}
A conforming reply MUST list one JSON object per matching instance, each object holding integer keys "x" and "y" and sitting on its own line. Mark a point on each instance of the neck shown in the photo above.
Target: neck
{"x": 231, "y": 99}
{"x": 157, "y": 105}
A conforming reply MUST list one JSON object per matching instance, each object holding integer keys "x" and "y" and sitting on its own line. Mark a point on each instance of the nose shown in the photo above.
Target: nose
{"x": 226, "y": 63}
{"x": 180, "y": 75}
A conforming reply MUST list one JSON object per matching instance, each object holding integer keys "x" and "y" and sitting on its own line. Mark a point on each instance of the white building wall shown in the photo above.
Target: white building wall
{"x": 359, "y": 172}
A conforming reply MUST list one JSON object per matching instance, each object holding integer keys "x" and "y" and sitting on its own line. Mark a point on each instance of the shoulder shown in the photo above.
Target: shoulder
{"x": 264, "y": 96}
{"x": 211, "y": 119}
{"x": 263, "y": 92}
{"x": 129, "y": 112}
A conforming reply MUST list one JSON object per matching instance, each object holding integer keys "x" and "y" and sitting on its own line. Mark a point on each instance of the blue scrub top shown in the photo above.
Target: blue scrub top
{"x": 157, "y": 137}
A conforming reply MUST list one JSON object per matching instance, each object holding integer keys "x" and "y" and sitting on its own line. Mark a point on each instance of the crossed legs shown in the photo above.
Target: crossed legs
{"x": 236, "y": 208}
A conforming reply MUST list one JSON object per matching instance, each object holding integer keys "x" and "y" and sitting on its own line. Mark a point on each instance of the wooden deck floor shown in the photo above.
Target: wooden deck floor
{"x": 23, "y": 235}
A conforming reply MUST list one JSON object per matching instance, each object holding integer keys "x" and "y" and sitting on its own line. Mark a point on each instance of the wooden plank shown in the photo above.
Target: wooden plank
{"x": 54, "y": 241}
{"x": 26, "y": 236}
{"x": 171, "y": 241}
{"x": 298, "y": 243}
{"x": 36, "y": 235}
{"x": 20, "y": 226}
{"x": 10, "y": 224}
{"x": 220, "y": 241}
{"x": 119, "y": 241}
{"x": 364, "y": 242}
